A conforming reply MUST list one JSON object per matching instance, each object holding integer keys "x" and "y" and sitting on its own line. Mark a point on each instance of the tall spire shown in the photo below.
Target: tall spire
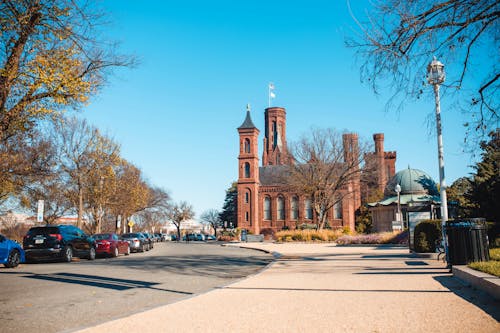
{"x": 248, "y": 123}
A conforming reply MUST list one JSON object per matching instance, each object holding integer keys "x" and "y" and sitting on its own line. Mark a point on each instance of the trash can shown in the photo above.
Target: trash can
{"x": 467, "y": 241}
{"x": 243, "y": 235}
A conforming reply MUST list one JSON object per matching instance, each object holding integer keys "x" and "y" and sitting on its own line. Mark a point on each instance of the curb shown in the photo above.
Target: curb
{"x": 483, "y": 281}
{"x": 275, "y": 254}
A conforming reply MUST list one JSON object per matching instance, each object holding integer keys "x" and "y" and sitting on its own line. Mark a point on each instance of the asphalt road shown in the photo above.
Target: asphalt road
{"x": 55, "y": 297}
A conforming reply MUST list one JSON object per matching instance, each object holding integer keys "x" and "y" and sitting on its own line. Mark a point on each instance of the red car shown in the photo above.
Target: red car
{"x": 111, "y": 244}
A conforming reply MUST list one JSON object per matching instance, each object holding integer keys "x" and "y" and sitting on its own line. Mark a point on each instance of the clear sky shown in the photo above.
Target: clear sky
{"x": 175, "y": 114}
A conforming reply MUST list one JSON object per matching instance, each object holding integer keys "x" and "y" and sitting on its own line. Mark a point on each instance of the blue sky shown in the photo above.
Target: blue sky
{"x": 175, "y": 114}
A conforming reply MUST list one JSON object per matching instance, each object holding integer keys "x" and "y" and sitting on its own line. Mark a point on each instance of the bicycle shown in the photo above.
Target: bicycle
{"x": 440, "y": 250}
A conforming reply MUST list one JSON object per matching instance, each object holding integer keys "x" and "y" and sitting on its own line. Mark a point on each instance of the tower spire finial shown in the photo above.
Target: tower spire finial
{"x": 248, "y": 107}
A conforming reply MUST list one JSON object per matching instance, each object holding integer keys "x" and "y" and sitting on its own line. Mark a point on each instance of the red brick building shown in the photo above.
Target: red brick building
{"x": 265, "y": 205}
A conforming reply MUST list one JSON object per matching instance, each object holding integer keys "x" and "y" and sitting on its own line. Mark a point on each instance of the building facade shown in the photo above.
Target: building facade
{"x": 266, "y": 205}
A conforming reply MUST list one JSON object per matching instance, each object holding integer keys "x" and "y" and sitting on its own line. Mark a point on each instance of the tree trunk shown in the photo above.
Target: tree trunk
{"x": 80, "y": 206}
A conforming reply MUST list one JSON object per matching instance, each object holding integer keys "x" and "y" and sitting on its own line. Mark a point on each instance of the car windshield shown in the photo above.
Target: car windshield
{"x": 101, "y": 236}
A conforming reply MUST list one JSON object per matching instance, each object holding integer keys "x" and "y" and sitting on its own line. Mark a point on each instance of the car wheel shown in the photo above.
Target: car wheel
{"x": 115, "y": 252}
{"x": 143, "y": 248}
{"x": 91, "y": 254}
{"x": 14, "y": 259}
{"x": 128, "y": 251}
{"x": 148, "y": 247}
{"x": 67, "y": 254}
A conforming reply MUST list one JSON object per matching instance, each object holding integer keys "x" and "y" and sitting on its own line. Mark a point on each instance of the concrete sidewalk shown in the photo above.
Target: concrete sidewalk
{"x": 328, "y": 288}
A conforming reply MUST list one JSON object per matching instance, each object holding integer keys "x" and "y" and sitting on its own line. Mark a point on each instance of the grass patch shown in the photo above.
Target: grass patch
{"x": 490, "y": 267}
{"x": 495, "y": 254}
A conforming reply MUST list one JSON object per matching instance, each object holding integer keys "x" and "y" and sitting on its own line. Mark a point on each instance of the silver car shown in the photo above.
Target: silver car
{"x": 137, "y": 241}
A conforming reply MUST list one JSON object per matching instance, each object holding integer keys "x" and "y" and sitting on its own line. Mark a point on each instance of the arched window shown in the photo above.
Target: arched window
{"x": 247, "y": 170}
{"x": 267, "y": 208}
{"x": 337, "y": 210}
{"x": 308, "y": 209}
{"x": 294, "y": 208}
{"x": 281, "y": 208}
{"x": 246, "y": 216}
{"x": 247, "y": 197}
{"x": 247, "y": 146}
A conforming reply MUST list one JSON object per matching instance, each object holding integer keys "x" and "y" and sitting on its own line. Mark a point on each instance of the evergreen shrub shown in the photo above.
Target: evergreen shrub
{"x": 426, "y": 234}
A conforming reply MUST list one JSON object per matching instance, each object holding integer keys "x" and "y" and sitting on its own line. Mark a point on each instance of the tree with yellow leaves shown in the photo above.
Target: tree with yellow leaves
{"x": 50, "y": 59}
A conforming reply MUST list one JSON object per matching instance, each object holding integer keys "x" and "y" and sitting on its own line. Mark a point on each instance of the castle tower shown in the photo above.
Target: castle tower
{"x": 351, "y": 157}
{"x": 381, "y": 172}
{"x": 248, "y": 176}
{"x": 275, "y": 149}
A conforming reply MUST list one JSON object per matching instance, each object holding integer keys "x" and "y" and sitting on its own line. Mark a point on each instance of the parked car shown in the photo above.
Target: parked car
{"x": 210, "y": 238}
{"x": 199, "y": 237}
{"x": 136, "y": 241}
{"x": 173, "y": 237}
{"x": 111, "y": 244}
{"x": 189, "y": 237}
{"x": 58, "y": 242}
{"x": 150, "y": 239}
{"x": 11, "y": 252}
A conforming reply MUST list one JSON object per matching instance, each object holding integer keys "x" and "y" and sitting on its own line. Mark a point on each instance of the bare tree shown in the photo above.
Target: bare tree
{"x": 325, "y": 169}
{"x": 211, "y": 217}
{"x": 85, "y": 157}
{"x": 53, "y": 191}
{"x": 399, "y": 38}
{"x": 179, "y": 213}
{"x": 12, "y": 227}
{"x": 52, "y": 56}
{"x": 24, "y": 158}
{"x": 155, "y": 215}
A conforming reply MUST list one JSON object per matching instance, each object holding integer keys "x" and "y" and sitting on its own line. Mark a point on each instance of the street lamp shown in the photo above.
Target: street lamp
{"x": 398, "y": 191}
{"x": 436, "y": 76}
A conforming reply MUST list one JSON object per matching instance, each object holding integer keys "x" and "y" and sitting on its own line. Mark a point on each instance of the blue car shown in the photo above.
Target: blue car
{"x": 11, "y": 253}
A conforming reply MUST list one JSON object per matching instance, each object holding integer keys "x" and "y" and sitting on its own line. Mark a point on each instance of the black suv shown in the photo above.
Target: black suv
{"x": 59, "y": 242}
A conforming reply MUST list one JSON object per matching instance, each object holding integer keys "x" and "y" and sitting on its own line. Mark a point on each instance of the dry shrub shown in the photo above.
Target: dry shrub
{"x": 308, "y": 235}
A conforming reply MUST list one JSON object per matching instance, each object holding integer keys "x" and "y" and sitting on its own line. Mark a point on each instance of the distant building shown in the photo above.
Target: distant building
{"x": 419, "y": 199}
{"x": 193, "y": 226}
{"x": 265, "y": 205}
{"x": 11, "y": 219}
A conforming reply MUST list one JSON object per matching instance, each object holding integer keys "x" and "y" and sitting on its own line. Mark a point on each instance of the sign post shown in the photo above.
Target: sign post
{"x": 39, "y": 214}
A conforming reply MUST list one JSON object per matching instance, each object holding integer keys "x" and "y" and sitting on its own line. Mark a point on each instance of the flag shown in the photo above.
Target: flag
{"x": 271, "y": 92}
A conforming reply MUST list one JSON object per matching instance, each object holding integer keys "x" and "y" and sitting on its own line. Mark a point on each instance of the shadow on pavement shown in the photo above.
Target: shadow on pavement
{"x": 474, "y": 296}
{"x": 207, "y": 265}
{"x": 98, "y": 281}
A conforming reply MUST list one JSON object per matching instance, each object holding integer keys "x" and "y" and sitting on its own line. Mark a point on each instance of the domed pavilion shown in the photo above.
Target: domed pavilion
{"x": 418, "y": 200}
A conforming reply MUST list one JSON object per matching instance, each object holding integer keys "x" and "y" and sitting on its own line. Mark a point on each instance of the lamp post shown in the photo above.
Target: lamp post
{"x": 398, "y": 192}
{"x": 436, "y": 76}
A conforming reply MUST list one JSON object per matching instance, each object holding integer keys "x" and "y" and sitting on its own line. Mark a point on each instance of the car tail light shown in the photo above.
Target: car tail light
{"x": 56, "y": 236}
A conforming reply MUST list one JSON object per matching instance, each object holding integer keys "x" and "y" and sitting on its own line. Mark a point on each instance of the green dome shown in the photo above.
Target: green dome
{"x": 412, "y": 181}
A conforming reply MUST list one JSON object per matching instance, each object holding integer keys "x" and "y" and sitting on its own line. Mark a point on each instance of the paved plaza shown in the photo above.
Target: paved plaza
{"x": 328, "y": 288}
